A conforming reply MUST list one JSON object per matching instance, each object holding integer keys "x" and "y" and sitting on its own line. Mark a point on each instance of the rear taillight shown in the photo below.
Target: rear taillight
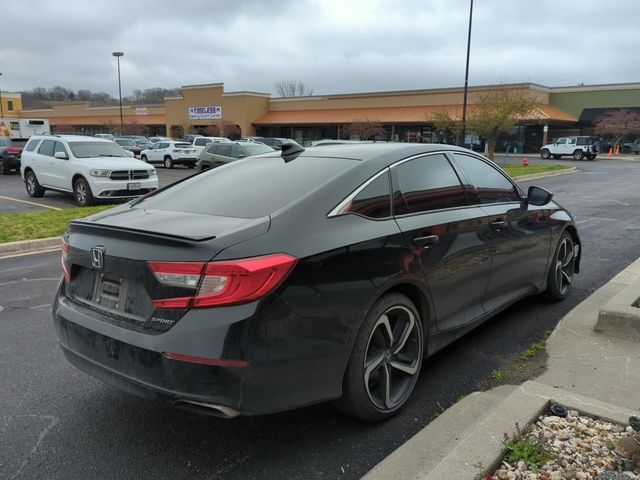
{"x": 14, "y": 150}
{"x": 227, "y": 282}
{"x": 65, "y": 253}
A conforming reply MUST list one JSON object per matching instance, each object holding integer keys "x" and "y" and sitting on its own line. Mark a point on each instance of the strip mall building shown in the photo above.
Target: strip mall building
{"x": 404, "y": 115}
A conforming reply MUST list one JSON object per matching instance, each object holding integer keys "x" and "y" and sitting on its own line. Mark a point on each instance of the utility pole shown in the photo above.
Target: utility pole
{"x": 118, "y": 55}
{"x": 466, "y": 79}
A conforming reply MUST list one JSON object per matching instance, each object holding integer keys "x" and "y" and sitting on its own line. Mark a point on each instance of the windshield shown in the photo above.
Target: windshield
{"x": 96, "y": 149}
{"x": 257, "y": 149}
{"x": 182, "y": 145}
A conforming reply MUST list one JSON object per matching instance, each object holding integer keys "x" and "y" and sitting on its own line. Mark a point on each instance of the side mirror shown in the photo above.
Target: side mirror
{"x": 242, "y": 155}
{"x": 538, "y": 196}
{"x": 130, "y": 153}
{"x": 61, "y": 155}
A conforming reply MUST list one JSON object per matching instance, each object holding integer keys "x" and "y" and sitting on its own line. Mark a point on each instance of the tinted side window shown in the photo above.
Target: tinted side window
{"x": 374, "y": 201}
{"x": 427, "y": 183}
{"x": 3, "y": 142}
{"x": 491, "y": 186}
{"x": 47, "y": 148}
{"x": 223, "y": 150}
{"x": 31, "y": 146}
{"x": 236, "y": 152}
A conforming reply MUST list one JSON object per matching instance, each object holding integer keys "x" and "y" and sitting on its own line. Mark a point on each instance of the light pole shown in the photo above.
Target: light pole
{"x": 466, "y": 78}
{"x": 1, "y": 111}
{"x": 118, "y": 55}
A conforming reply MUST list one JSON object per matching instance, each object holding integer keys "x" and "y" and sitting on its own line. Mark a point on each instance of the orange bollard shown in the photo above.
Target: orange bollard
{"x": 618, "y": 149}
{"x": 610, "y": 154}
{"x": 525, "y": 162}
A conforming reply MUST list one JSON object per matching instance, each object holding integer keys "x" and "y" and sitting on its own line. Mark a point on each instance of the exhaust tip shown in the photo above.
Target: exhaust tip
{"x": 205, "y": 408}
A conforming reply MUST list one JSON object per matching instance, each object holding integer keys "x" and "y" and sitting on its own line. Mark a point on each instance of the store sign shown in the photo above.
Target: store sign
{"x": 213, "y": 112}
{"x": 142, "y": 111}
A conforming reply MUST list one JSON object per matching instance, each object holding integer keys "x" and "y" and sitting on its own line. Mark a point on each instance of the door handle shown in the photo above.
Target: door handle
{"x": 425, "y": 241}
{"x": 498, "y": 224}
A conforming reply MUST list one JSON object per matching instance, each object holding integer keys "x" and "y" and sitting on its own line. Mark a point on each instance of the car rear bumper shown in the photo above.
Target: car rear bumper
{"x": 134, "y": 362}
{"x": 11, "y": 162}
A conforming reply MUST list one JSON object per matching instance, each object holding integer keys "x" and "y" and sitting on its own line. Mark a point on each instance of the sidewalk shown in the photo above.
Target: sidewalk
{"x": 593, "y": 367}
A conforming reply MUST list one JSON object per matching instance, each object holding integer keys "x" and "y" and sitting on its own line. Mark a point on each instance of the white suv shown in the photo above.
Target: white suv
{"x": 90, "y": 168}
{"x": 577, "y": 147}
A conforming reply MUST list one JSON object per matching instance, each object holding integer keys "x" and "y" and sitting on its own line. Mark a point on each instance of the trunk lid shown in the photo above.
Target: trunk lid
{"x": 107, "y": 254}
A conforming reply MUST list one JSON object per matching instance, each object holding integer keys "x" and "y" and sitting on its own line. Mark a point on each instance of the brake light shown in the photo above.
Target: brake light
{"x": 65, "y": 254}
{"x": 227, "y": 282}
{"x": 14, "y": 150}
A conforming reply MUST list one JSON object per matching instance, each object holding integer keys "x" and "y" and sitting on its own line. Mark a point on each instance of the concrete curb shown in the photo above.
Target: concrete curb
{"x": 29, "y": 246}
{"x": 618, "y": 317}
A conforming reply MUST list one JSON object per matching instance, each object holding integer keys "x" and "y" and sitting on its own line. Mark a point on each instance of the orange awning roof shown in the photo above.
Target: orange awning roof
{"x": 410, "y": 114}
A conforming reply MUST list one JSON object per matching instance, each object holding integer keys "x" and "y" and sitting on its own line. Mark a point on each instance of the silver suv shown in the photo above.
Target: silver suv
{"x": 90, "y": 168}
{"x": 577, "y": 147}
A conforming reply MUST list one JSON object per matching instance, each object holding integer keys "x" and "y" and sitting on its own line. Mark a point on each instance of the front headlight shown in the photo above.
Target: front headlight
{"x": 100, "y": 173}
{"x": 152, "y": 172}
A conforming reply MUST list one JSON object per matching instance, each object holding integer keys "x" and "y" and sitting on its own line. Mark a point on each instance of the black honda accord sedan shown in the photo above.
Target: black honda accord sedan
{"x": 299, "y": 276}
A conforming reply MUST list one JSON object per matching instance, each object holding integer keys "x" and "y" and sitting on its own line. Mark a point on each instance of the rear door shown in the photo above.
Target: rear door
{"x": 446, "y": 237}
{"x": 519, "y": 233}
{"x": 43, "y": 162}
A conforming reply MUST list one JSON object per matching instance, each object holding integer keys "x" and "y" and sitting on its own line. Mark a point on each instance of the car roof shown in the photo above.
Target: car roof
{"x": 73, "y": 138}
{"x": 379, "y": 153}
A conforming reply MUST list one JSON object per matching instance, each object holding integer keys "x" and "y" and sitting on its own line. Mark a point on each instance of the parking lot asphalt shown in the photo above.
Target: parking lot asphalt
{"x": 14, "y": 197}
{"x": 58, "y": 423}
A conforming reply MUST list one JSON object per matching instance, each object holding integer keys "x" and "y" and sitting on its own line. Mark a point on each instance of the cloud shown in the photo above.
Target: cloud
{"x": 333, "y": 46}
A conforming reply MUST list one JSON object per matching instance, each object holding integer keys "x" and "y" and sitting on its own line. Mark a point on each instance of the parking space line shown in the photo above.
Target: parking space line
{"x": 29, "y": 203}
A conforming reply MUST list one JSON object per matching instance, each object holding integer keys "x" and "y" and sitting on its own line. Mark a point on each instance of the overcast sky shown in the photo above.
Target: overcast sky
{"x": 333, "y": 46}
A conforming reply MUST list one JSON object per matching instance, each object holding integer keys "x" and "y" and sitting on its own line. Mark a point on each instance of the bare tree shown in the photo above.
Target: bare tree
{"x": 133, "y": 127}
{"x": 292, "y": 88}
{"x": 364, "y": 129}
{"x": 618, "y": 123}
{"x": 497, "y": 111}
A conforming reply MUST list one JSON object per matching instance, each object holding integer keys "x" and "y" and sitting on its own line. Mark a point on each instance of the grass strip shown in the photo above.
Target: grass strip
{"x": 34, "y": 225}
{"x": 518, "y": 170}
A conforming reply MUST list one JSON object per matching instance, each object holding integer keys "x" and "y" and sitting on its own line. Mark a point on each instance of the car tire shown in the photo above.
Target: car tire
{"x": 562, "y": 269}
{"x": 545, "y": 154}
{"x": 578, "y": 155}
{"x": 33, "y": 186}
{"x": 557, "y": 157}
{"x": 144, "y": 159}
{"x": 385, "y": 362}
{"x": 3, "y": 168}
{"x": 591, "y": 157}
{"x": 82, "y": 193}
{"x": 168, "y": 162}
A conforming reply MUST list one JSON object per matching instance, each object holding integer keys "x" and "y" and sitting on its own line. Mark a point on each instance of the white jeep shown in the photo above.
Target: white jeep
{"x": 577, "y": 147}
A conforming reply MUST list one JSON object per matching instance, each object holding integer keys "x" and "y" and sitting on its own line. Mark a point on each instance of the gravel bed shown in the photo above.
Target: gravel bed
{"x": 581, "y": 448}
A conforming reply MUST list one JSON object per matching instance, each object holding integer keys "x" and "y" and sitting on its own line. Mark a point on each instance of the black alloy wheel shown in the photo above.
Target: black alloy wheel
{"x": 33, "y": 187}
{"x": 168, "y": 163}
{"x": 562, "y": 268}
{"x": 386, "y": 360}
{"x": 545, "y": 154}
{"x": 578, "y": 155}
{"x": 82, "y": 192}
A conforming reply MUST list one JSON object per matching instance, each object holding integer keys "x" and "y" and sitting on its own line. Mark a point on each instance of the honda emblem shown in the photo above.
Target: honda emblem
{"x": 97, "y": 257}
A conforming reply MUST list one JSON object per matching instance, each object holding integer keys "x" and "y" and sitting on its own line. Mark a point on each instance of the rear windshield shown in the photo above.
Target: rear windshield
{"x": 96, "y": 149}
{"x": 18, "y": 142}
{"x": 124, "y": 141}
{"x": 182, "y": 145}
{"x": 249, "y": 188}
{"x": 257, "y": 149}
